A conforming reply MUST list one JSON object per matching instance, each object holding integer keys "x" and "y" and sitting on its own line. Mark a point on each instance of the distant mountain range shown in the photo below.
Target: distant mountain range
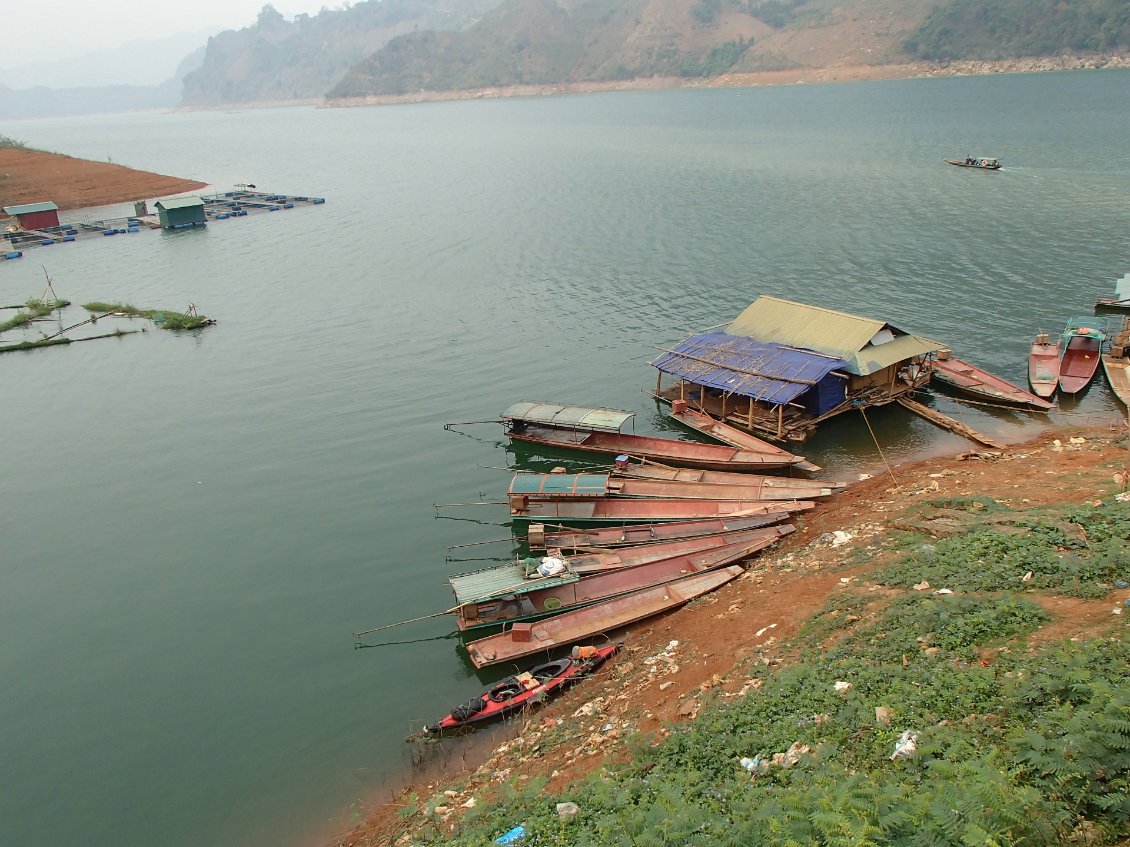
{"x": 403, "y": 47}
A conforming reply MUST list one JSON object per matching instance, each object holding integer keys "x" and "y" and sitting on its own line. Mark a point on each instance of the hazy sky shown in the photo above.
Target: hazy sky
{"x": 35, "y": 30}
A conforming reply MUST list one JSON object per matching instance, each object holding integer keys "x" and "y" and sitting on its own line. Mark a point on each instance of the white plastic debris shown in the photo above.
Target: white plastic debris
{"x": 840, "y": 537}
{"x": 763, "y": 630}
{"x": 907, "y": 746}
{"x": 567, "y": 810}
{"x": 842, "y": 687}
{"x": 921, "y": 586}
{"x": 944, "y": 591}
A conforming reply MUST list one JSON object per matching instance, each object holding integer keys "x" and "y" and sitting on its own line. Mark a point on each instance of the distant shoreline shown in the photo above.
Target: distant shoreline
{"x": 793, "y": 76}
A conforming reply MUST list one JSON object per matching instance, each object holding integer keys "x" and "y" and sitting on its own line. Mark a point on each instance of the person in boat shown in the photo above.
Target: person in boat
{"x": 968, "y": 159}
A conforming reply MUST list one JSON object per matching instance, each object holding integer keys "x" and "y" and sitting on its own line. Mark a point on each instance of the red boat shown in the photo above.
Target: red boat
{"x": 1043, "y": 366}
{"x": 593, "y": 430}
{"x": 530, "y": 602}
{"x": 786, "y": 486}
{"x": 614, "y": 510}
{"x": 525, "y": 639}
{"x": 516, "y": 692}
{"x": 554, "y": 486}
{"x": 1082, "y": 347}
{"x": 642, "y": 534}
{"x": 719, "y": 431}
{"x": 629, "y": 557}
{"x": 971, "y": 379}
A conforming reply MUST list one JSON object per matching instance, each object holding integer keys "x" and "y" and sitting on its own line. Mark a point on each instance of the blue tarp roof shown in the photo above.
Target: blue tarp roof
{"x": 738, "y": 365}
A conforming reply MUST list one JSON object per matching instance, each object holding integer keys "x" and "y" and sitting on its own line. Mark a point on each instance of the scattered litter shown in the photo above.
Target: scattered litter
{"x": 927, "y": 548}
{"x": 1124, "y": 497}
{"x": 1120, "y": 583}
{"x": 845, "y": 580}
{"x": 469, "y": 804}
{"x": 752, "y": 765}
{"x": 864, "y": 476}
{"x": 567, "y": 810}
{"x": 1057, "y": 445}
{"x": 944, "y": 591}
{"x": 883, "y": 715}
{"x": 663, "y": 686}
{"x": 907, "y": 746}
{"x": 763, "y": 629}
{"x": 840, "y": 537}
{"x": 608, "y": 727}
{"x": 1027, "y": 577}
{"x": 513, "y": 836}
{"x": 842, "y": 687}
{"x": 1117, "y": 610}
{"x": 1074, "y": 440}
{"x": 921, "y": 586}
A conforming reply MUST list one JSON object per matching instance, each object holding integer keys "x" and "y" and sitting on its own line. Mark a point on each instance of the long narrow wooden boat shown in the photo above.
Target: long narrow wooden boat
{"x": 1116, "y": 363}
{"x": 1082, "y": 345}
{"x": 711, "y": 427}
{"x": 625, "y": 510}
{"x": 785, "y": 486}
{"x": 518, "y": 577}
{"x": 985, "y": 163}
{"x": 590, "y": 430}
{"x": 1043, "y": 366}
{"x": 596, "y": 561}
{"x": 970, "y": 379}
{"x": 555, "y": 486}
{"x": 535, "y": 603}
{"x": 514, "y": 693}
{"x": 634, "y": 535}
{"x": 525, "y": 639}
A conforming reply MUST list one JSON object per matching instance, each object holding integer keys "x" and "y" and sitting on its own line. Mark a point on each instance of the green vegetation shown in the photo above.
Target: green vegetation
{"x": 162, "y": 317}
{"x": 5, "y": 141}
{"x": 35, "y": 309}
{"x": 719, "y": 60}
{"x": 777, "y": 13}
{"x": 1027, "y": 746}
{"x": 998, "y": 29}
{"x": 1080, "y": 552}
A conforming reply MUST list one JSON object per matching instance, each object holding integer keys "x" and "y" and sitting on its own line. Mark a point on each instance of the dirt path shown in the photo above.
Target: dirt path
{"x": 30, "y": 176}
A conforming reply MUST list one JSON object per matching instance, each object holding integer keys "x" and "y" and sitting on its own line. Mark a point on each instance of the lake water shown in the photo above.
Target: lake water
{"x": 194, "y": 525}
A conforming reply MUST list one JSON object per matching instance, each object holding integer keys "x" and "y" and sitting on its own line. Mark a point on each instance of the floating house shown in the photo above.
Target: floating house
{"x": 34, "y": 215}
{"x": 181, "y": 212}
{"x": 780, "y": 368}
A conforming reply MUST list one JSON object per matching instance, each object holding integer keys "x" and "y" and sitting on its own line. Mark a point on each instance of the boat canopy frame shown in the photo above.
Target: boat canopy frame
{"x": 560, "y": 416}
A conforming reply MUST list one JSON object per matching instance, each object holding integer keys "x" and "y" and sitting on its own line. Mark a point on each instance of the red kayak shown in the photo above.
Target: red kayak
{"x": 513, "y": 693}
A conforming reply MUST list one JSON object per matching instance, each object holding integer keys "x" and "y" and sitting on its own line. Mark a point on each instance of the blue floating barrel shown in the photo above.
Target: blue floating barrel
{"x": 14, "y": 255}
{"x": 68, "y": 238}
{"x": 272, "y": 208}
{"x": 318, "y": 200}
{"x": 288, "y": 205}
{"x": 46, "y": 242}
{"x": 108, "y": 232}
{"x": 223, "y": 216}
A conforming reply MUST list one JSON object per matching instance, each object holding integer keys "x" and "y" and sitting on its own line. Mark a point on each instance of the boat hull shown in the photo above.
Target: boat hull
{"x": 527, "y": 639}
{"x": 768, "y": 487}
{"x": 970, "y": 379}
{"x": 1117, "y": 370}
{"x": 648, "y": 534}
{"x": 511, "y": 695}
{"x": 622, "y": 510}
{"x": 667, "y": 451}
{"x": 1080, "y": 362}
{"x": 1043, "y": 369}
{"x": 537, "y": 603}
{"x": 976, "y": 164}
{"x": 711, "y": 427}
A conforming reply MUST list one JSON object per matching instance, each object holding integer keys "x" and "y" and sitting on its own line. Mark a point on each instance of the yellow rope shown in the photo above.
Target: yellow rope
{"x": 863, "y": 412}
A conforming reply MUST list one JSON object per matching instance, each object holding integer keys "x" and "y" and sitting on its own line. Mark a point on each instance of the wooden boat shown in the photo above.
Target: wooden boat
{"x": 970, "y": 379}
{"x": 614, "y": 510}
{"x": 597, "y": 560}
{"x": 553, "y": 486}
{"x": 514, "y": 578}
{"x": 533, "y": 602}
{"x": 1120, "y": 301}
{"x": 985, "y": 163}
{"x": 642, "y": 534}
{"x": 1043, "y": 366}
{"x": 1082, "y": 345}
{"x": 591, "y": 430}
{"x": 1116, "y": 363}
{"x": 711, "y": 427}
{"x": 513, "y": 693}
{"x": 785, "y": 486}
{"x": 525, "y": 639}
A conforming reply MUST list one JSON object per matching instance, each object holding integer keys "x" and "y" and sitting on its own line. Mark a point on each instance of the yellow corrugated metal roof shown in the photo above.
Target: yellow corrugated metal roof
{"x": 827, "y": 331}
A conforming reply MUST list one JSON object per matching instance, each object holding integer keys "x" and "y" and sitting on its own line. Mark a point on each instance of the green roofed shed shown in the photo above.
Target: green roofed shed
{"x": 568, "y": 417}
{"x": 179, "y": 212}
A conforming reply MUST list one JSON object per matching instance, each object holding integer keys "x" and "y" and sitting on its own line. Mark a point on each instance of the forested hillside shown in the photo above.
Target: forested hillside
{"x": 1002, "y": 29}
{"x": 277, "y": 59}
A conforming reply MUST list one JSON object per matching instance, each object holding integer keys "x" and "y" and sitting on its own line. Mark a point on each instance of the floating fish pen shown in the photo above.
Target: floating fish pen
{"x": 173, "y": 214}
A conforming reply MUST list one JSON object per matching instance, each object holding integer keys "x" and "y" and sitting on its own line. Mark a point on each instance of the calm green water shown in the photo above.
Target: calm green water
{"x": 193, "y": 526}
